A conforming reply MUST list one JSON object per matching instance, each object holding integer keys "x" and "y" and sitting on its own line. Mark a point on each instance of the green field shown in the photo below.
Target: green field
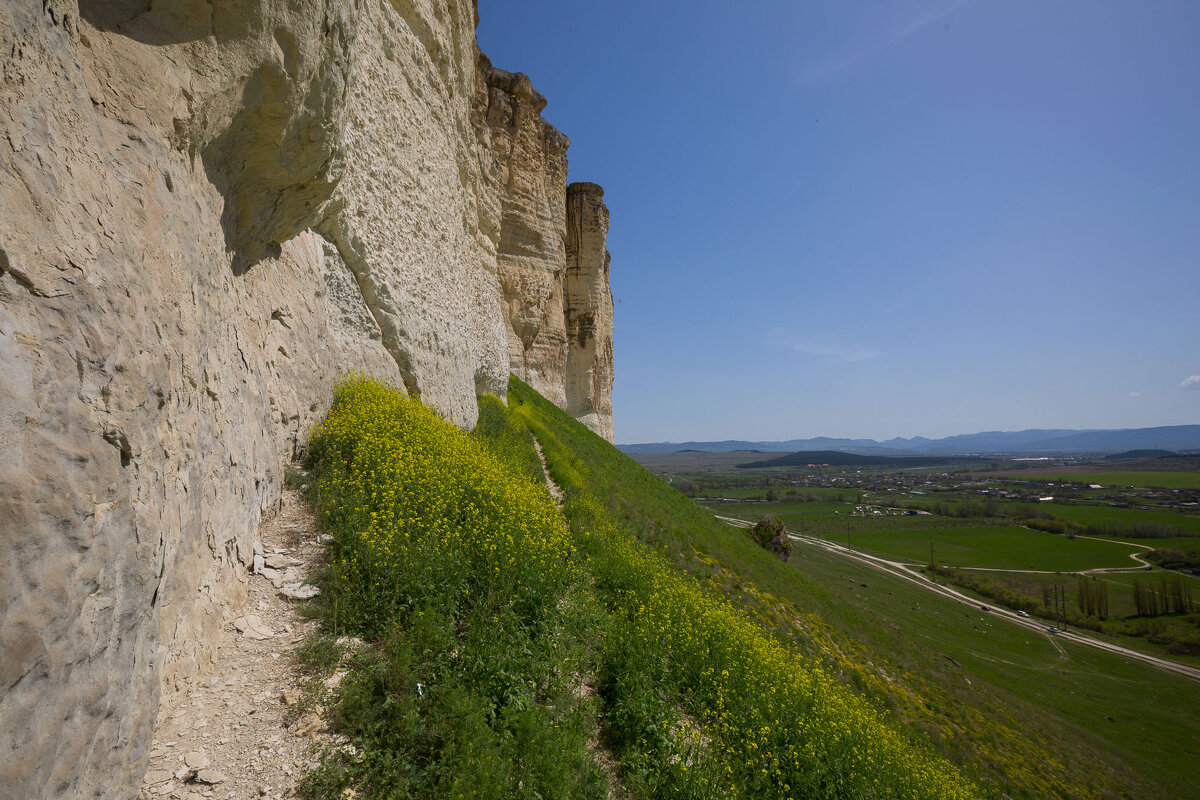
{"x": 1150, "y": 635}
{"x": 1123, "y": 517}
{"x": 998, "y": 547}
{"x": 1164, "y": 480}
{"x": 820, "y": 519}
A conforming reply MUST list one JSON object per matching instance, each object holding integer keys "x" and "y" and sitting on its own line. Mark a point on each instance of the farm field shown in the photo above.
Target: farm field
{"x": 836, "y": 519}
{"x": 1111, "y": 515}
{"x": 1164, "y": 480}
{"x": 1122, "y": 626}
{"x": 997, "y": 547}
{"x": 958, "y": 542}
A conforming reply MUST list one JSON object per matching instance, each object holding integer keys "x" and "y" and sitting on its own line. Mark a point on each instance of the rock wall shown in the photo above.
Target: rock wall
{"x": 589, "y": 310}
{"x": 211, "y": 210}
{"x": 552, "y": 262}
{"x": 531, "y": 258}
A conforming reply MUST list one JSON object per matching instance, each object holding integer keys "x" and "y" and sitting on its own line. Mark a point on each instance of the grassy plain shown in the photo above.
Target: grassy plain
{"x": 1164, "y": 479}
{"x": 1155, "y": 635}
{"x": 960, "y": 543}
{"x": 997, "y": 547}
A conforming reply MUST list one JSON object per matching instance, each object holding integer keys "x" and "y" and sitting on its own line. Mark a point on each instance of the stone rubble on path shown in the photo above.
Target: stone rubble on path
{"x": 235, "y": 733}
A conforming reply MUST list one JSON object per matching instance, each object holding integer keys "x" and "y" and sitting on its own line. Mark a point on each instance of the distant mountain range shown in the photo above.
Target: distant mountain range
{"x": 1169, "y": 437}
{"x": 841, "y": 458}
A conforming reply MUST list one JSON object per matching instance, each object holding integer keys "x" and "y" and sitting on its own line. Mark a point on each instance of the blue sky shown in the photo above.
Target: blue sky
{"x": 880, "y": 219}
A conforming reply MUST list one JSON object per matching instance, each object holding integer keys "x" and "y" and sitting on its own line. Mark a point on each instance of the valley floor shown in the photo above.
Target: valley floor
{"x": 911, "y": 573}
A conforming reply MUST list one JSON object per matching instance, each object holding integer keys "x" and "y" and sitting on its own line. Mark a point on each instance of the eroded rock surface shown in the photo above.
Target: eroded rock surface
{"x": 210, "y": 211}
{"x": 552, "y": 260}
{"x": 589, "y": 310}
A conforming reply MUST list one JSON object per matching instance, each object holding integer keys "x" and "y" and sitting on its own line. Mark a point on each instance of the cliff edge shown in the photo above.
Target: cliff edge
{"x": 212, "y": 210}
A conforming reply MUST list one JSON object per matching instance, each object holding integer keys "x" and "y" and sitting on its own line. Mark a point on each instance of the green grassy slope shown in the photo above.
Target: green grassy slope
{"x": 771, "y": 723}
{"x": 510, "y": 644}
{"x": 1019, "y": 714}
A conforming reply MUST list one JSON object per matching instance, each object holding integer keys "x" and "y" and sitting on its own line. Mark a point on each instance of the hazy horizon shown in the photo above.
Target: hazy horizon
{"x": 889, "y": 438}
{"x": 895, "y": 218}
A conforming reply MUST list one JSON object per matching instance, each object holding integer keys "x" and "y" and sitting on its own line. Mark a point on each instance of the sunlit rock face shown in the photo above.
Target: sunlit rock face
{"x": 211, "y": 211}
{"x": 589, "y": 307}
{"x": 552, "y": 262}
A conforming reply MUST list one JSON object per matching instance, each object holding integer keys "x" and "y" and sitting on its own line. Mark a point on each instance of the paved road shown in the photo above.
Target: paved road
{"x": 908, "y": 572}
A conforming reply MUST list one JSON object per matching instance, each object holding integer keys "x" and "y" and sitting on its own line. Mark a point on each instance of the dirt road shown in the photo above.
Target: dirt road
{"x": 909, "y": 572}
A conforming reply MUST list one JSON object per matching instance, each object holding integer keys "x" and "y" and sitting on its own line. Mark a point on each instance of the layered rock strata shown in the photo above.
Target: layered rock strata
{"x": 589, "y": 310}
{"x": 210, "y": 211}
{"x": 551, "y": 262}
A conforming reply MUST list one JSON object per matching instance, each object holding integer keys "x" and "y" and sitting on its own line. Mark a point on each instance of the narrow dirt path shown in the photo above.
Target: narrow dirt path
{"x": 586, "y": 689}
{"x": 233, "y": 734}
{"x": 555, "y": 490}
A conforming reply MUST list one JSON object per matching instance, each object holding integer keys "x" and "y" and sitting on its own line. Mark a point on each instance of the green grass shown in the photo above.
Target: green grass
{"x": 488, "y": 612}
{"x": 763, "y": 722}
{"x": 1017, "y": 716}
{"x": 958, "y": 542}
{"x": 1123, "y": 517}
{"x": 1171, "y": 636}
{"x": 835, "y": 520}
{"x": 436, "y": 563}
{"x": 1040, "y": 717}
{"x": 999, "y": 547}
{"x": 1144, "y": 479}
{"x": 452, "y": 561}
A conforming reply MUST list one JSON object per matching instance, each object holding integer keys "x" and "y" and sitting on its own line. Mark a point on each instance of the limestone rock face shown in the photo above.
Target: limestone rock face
{"x": 531, "y": 258}
{"x": 589, "y": 307}
{"x": 552, "y": 261}
{"x": 210, "y": 211}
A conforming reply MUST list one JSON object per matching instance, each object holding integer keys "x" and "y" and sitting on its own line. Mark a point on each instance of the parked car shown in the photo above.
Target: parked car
{"x": 1024, "y": 614}
{"x": 1052, "y": 630}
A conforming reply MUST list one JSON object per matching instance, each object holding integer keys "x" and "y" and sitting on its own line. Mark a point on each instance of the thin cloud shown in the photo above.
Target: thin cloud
{"x": 822, "y": 348}
{"x": 833, "y": 67}
{"x": 1192, "y": 382}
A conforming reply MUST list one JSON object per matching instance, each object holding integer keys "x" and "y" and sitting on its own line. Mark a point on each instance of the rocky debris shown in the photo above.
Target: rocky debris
{"x": 282, "y": 561}
{"x": 297, "y": 591}
{"x": 771, "y": 534}
{"x": 196, "y": 760}
{"x": 234, "y": 733}
{"x": 210, "y": 776}
{"x": 251, "y": 626}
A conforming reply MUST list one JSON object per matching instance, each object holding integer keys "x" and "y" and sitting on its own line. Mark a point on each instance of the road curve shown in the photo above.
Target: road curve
{"x": 909, "y": 573}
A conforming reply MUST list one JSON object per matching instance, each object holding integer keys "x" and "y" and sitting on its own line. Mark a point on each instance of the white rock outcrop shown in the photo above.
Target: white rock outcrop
{"x": 211, "y": 209}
